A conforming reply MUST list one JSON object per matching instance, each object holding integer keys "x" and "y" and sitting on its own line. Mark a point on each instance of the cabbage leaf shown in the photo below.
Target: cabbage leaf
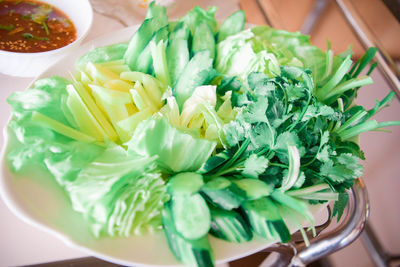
{"x": 177, "y": 151}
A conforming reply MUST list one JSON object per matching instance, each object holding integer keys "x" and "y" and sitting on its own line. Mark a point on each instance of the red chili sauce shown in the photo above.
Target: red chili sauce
{"x": 28, "y": 26}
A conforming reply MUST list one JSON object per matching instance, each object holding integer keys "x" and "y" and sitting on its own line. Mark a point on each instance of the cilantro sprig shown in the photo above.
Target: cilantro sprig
{"x": 289, "y": 136}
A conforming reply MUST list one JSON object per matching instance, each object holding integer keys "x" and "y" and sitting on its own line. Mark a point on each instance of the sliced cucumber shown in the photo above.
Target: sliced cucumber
{"x": 145, "y": 59}
{"x": 177, "y": 51}
{"x": 196, "y": 252}
{"x": 232, "y": 25}
{"x": 196, "y": 72}
{"x": 254, "y": 188}
{"x": 265, "y": 219}
{"x": 191, "y": 215}
{"x": 203, "y": 39}
{"x": 158, "y": 11}
{"x": 230, "y": 226}
{"x": 223, "y": 193}
{"x": 141, "y": 38}
{"x": 293, "y": 203}
{"x": 185, "y": 183}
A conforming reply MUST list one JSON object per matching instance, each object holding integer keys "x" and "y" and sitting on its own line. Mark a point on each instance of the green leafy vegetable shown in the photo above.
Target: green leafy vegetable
{"x": 116, "y": 195}
{"x": 197, "y": 72}
{"x": 176, "y": 151}
{"x": 232, "y": 25}
{"x": 203, "y": 39}
{"x": 198, "y": 15}
{"x": 102, "y": 54}
{"x": 199, "y": 129}
{"x": 177, "y": 51}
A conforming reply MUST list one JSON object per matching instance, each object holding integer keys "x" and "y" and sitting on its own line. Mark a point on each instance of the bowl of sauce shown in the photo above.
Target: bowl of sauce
{"x": 34, "y": 34}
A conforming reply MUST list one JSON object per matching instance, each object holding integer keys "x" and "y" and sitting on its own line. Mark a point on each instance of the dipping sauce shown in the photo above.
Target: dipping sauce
{"x": 28, "y": 26}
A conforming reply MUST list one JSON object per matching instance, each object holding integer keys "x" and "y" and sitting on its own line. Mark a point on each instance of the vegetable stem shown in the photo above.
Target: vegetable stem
{"x": 347, "y": 85}
{"x": 336, "y": 78}
{"x": 46, "y": 29}
{"x": 364, "y": 127}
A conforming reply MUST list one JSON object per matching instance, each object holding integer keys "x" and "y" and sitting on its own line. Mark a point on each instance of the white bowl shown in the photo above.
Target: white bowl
{"x": 32, "y": 64}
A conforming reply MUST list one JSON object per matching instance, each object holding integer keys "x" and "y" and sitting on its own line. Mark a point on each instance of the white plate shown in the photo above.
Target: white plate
{"x": 37, "y": 199}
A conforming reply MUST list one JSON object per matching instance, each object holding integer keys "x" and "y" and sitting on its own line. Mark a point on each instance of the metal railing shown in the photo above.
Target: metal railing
{"x": 296, "y": 254}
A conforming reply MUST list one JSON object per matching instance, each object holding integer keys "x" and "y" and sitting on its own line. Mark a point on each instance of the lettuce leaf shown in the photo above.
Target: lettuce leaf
{"x": 236, "y": 57}
{"x": 295, "y": 49}
{"x": 47, "y": 96}
{"x": 38, "y": 145}
{"x": 177, "y": 151}
{"x": 119, "y": 193}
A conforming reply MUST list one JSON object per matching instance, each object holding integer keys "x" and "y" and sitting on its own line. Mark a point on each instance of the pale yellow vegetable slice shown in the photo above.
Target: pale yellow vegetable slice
{"x": 118, "y": 85}
{"x": 83, "y": 117}
{"x": 144, "y": 96}
{"x": 150, "y": 84}
{"x": 99, "y": 73}
{"x": 127, "y": 126}
{"x": 160, "y": 61}
{"x": 61, "y": 128}
{"x": 137, "y": 99}
{"x": 95, "y": 110}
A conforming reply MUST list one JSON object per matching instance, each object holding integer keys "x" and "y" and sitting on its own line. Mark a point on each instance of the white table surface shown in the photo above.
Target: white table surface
{"x": 20, "y": 243}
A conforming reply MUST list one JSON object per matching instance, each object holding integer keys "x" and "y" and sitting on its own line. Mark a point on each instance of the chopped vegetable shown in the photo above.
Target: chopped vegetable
{"x": 232, "y": 25}
{"x": 8, "y": 27}
{"x": 31, "y": 36}
{"x": 230, "y": 226}
{"x": 102, "y": 54}
{"x": 176, "y": 151}
{"x": 200, "y": 129}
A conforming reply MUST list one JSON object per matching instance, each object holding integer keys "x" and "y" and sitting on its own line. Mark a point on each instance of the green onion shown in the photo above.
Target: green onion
{"x": 30, "y": 36}
{"x": 9, "y": 27}
{"x": 46, "y": 29}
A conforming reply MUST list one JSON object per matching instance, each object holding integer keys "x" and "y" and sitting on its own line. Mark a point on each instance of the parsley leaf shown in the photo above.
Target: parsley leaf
{"x": 341, "y": 168}
{"x": 254, "y": 166}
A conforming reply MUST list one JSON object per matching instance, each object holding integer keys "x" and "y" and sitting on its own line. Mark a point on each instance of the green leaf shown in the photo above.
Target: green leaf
{"x": 235, "y": 132}
{"x": 340, "y": 205}
{"x": 262, "y": 136}
{"x": 47, "y": 96}
{"x": 319, "y": 110}
{"x": 341, "y": 168}
{"x": 177, "y": 151}
{"x": 286, "y": 139}
{"x": 109, "y": 192}
{"x": 255, "y": 165}
{"x": 256, "y": 111}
